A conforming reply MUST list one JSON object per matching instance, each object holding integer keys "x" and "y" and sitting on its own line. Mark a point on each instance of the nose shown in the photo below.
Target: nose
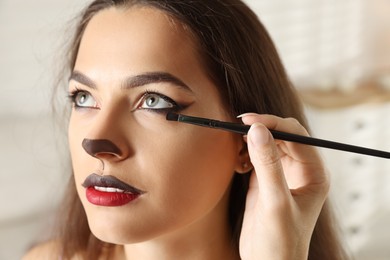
{"x": 100, "y": 148}
{"x": 106, "y": 135}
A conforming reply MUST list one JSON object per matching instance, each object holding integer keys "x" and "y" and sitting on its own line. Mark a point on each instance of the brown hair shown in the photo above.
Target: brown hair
{"x": 243, "y": 63}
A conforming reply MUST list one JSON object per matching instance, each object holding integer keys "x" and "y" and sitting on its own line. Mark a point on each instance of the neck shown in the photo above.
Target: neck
{"x": 208, "y": 248}
{"x": 206, "y": 238}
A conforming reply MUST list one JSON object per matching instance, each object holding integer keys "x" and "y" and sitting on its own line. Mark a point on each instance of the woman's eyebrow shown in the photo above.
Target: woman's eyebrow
{"x": 82, "y": 79}
{"x": 134, "y": 81}
{"x": 154, "y": 77}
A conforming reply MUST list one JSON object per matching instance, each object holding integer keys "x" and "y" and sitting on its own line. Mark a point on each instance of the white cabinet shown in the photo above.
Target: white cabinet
{"x": 360, "y": 184}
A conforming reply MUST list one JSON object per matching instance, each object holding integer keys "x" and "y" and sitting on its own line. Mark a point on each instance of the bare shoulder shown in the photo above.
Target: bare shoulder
{"x": 48, "y": 250}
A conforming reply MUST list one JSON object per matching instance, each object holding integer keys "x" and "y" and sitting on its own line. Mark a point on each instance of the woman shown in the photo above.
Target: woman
{"x": 148, "y": 188}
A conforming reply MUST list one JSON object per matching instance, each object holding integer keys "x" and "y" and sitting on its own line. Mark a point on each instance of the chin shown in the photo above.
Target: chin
{"x": 121, "y": 232}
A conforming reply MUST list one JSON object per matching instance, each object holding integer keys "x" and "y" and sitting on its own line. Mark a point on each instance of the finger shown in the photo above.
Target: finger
{"x": 265, "y": 160}
{"x": 300, "y": 152}
{"x": 272, "y": 122}
{"x": 308, "y": 170}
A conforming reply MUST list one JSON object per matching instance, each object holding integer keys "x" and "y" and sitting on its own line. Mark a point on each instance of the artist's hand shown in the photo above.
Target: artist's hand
{"x": 287, "y": 190}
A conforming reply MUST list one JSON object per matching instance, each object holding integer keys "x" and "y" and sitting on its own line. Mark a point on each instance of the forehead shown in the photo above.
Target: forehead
{"x": 137, "y": 34}
{"x": 135, "y": 24}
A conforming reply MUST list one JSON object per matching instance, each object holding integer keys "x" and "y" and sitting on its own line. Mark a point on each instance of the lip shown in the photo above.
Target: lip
{"x": 109, "y": 191}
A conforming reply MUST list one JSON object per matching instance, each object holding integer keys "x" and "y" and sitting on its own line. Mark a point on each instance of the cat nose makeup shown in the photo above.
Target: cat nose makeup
{"x": 96, "y": 147}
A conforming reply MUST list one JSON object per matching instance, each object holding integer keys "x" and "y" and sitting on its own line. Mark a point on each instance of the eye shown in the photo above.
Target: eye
{"x": 156, "y": 101}
{"x": 82, "y": 99}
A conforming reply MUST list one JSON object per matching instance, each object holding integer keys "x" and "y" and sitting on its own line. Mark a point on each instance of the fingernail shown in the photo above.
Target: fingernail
{"x": 259, "y": 134}
{"x": 246, "y": 114}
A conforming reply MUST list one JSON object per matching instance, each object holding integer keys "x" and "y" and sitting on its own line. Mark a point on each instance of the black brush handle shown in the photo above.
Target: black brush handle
{"x": 243, "y": 129}
{"x": 328, "y": 144}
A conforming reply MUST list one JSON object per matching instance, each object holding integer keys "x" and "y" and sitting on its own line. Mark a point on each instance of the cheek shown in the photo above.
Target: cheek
{"x": 82, "y": 163}
{"x": 195, "y": 170}
{"x": 74, "y": 139}
{"x": 74, "y": 143}
{"x": 75, "y": 150}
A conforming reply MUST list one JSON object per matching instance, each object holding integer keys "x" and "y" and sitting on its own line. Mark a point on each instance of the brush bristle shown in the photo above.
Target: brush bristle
{"x": 172, "y": 116}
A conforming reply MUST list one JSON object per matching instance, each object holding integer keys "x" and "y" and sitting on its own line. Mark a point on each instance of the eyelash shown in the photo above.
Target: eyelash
{"x": 73, "y": 95}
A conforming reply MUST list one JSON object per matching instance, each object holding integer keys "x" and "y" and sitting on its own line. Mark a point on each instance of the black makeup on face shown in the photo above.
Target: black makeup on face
{"x": 100, "y": 146}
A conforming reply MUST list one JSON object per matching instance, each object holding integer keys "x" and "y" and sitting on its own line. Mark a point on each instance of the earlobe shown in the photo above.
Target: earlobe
{"x": 245, "y": 168}
{"x": 243, "y": 163}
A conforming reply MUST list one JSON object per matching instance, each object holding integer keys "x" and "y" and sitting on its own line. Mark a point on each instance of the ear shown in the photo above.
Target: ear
{"x": 243, "y": 164}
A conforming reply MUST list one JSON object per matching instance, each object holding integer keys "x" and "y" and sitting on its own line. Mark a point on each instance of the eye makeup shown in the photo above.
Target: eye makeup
{"x": 243, "y": 129}
{"x": 152, "y": 101}
{"x": 156, "y": 102}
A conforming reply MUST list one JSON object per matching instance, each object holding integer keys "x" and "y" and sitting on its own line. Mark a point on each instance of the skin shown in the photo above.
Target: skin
{"x": 185, "y": 170}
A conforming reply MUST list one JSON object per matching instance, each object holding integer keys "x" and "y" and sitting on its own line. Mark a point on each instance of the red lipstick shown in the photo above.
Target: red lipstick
{"x": 109, "y": 191}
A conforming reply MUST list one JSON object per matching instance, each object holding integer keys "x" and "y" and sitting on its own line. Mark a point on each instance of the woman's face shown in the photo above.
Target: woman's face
{"x": 133, "y": 66}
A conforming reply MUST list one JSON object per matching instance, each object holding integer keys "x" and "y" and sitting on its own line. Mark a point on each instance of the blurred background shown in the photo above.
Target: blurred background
{"x": 337, "y": 53}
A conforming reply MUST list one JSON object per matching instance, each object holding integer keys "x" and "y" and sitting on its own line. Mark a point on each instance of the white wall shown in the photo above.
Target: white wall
{"x": 32, "y": 178}
{"x": 32, "y": 169}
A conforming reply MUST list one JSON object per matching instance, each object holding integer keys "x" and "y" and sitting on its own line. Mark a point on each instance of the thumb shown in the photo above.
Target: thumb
{"x": 266, "y": 162}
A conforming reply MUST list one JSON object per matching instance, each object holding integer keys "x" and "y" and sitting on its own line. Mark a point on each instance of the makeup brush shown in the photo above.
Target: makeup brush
{"x": 243, "y": 129}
